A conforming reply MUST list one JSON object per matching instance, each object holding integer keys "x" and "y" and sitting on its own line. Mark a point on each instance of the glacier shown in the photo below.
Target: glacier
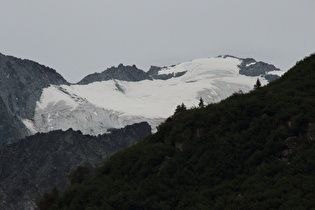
{"x": 97, "y": 107}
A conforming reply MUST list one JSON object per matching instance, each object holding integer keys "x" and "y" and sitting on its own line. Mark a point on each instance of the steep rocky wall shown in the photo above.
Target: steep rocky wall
{"x": 21, "y": 84}
{"x": 11, "y": 128}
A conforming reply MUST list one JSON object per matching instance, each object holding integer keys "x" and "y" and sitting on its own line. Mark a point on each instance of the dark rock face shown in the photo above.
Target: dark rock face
{"x": 21, "y": 84}
{"x": 154, "y": 70}
{"x": 11, "y": 128}
{"x": 154, "y": 73}
{"x": 128, "y": 73}
{"x": 36, "y": 164}
{"x": 250, "y": 67}
{"x": 125, "y": 73}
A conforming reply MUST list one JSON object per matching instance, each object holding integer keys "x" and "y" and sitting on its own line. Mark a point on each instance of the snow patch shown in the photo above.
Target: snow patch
{"x": 278, "y": 73}
{"x": 54, "y": 94}
{"x": 247, "y": 65}
{"x": 29, "y": 124}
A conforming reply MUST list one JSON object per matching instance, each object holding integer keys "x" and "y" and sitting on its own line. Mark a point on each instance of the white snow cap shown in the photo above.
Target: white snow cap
{"x": 213, "y": 79}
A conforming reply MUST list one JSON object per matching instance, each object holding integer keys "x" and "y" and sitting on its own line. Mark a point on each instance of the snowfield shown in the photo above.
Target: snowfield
{"x": 96, "y": 107}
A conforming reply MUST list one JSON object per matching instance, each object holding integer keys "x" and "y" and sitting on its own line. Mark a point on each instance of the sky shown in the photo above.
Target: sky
{"x": 80, "y": 37}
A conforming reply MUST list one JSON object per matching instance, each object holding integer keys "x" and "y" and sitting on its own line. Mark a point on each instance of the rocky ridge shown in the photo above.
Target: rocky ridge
{"x": 121, "y": 72}
{"x": 248, "y": 67}
{"x": 11, "y": 128}
{"x": 21, "y": 85}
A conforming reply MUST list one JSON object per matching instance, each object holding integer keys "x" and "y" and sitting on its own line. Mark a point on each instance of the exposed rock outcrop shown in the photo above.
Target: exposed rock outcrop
{"x": 251, "y": 67}
{"x": 121, "y": 72}
{"x": 154, "y": 73}
{"x": 11, "y": 128}
{"x": 21, "y": 84}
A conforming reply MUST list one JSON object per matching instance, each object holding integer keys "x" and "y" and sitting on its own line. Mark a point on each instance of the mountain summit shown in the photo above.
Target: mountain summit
{"x": 121, "y": 72}
{"x": 124, "y": 95}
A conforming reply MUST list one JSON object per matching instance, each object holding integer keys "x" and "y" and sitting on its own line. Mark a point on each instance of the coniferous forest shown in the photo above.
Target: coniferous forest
{"x": 250, "y": 151}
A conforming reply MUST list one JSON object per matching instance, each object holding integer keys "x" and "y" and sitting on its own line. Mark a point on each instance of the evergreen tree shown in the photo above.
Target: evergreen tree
{"x": 201, "y": 103}
{"x": 80, "y": 174}
{"x": 257, "y": 85}
{"x": 180, "y": 108}
{"x": 49, "y": 200}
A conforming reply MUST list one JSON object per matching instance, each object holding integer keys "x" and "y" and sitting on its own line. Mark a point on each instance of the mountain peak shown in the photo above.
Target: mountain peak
{"x": 227, "y": 56}
{"x": 121, "y": 65}
{"x": 21, "y": 84}
{"x": 121, "y": 72}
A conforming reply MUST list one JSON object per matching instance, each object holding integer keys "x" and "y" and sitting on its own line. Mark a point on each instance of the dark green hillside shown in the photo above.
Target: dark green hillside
{"x": 251, "y": 151}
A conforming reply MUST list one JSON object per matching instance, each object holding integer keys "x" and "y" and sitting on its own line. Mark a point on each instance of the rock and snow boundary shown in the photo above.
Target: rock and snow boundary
{"x": 96, "y": 107}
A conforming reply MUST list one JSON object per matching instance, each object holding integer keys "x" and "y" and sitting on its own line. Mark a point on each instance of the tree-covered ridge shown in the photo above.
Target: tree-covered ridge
{"x": 251, "y": 151}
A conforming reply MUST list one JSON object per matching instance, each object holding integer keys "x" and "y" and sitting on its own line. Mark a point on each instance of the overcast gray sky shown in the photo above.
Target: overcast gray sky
{"x": 79, "y": 37}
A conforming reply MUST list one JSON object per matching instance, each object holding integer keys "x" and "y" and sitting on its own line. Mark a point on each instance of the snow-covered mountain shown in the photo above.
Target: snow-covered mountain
{"x": 101, "y": 102}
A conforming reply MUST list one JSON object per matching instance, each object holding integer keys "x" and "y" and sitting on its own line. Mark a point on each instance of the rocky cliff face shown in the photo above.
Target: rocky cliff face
{"x": 11, "y": 128}
{"x": 34, "y": 165}
{"x": 21, "y": 84}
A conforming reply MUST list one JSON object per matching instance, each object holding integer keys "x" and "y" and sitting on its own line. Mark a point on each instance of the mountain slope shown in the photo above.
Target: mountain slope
{"x": 21, "y": 85}
{"x": 34, "y": 165}
{"x": 251, "y": 151}
{"x": 124, "y": 95}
